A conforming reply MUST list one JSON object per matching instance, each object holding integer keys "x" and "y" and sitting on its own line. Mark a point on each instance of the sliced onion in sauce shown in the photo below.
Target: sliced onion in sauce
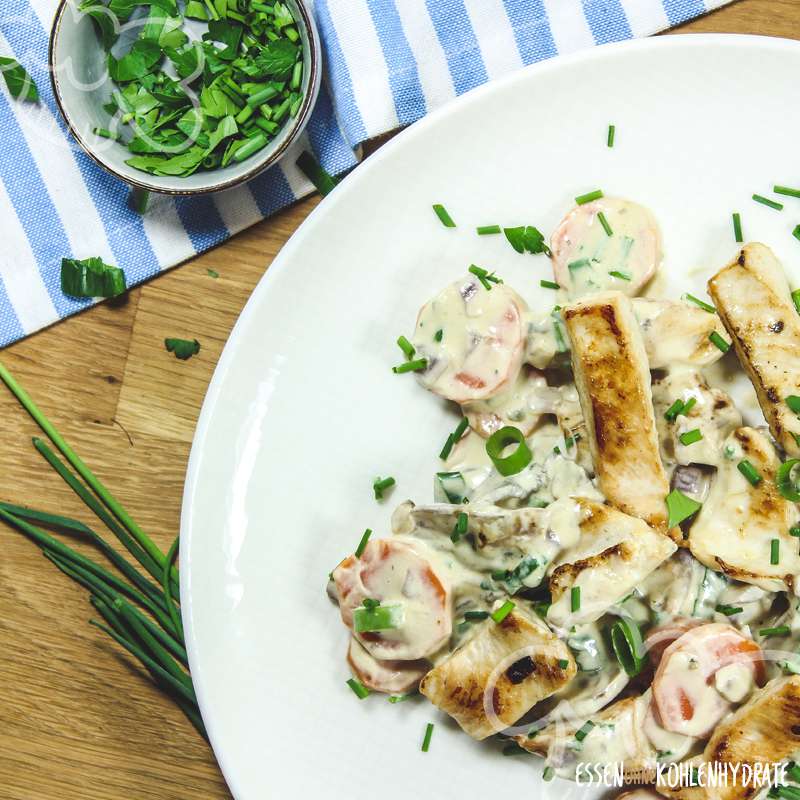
{"x": 516, "y": 461}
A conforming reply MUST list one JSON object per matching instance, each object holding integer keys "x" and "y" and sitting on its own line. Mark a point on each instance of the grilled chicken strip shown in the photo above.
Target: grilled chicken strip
{"x": 753, "y": 300}
{"x": 499, "y": 674}
{"x": 613, "y": 381}
{"x": 765, "y": 730}
{"x": 614, "y": 554}
{"x": 738, "y": 523}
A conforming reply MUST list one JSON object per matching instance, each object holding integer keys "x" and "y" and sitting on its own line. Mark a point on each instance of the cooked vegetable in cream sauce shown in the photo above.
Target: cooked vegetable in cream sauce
{"x": 533, "y": 600}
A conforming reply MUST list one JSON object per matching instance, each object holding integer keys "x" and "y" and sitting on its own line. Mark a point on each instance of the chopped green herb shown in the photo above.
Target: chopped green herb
{"x": 794, "y": 530}
{"x": 562, "y": 663}
{"x": 623, "y": 276}
{"x": 765, "y": 201}
{"x": 690, "y": 437}
{"x": 426, "y": 741}
{"x": 363, "y": 543}
{"x": 501, "y": 613}
{"x": 729, "y": 611}
{"x": 680, "y": 507}
{"x": 406, "y": 347}
{"x": 604, "y": 222}
{"x": 548, "y": 773}
{"x": 796, "y": 292}
{"x": 548, "y": 284}
{"x": 323, "y": 182}
{"x": 582, "y": 199}
{"x": 444, "y": 217}
{"x": 484, "y": 276}
{"x": 104, "y": 133}
{"x": 377, "y": 618}
{"x": 671, "y": 414}
{"x": 91, "y": 277}
{"x": 411, "y": 366}
{"x": 579, "y": 264}
{"x": 700, "y": 303}
{"x": 460, "y": 528}
{"x": 380, "y": 485}
{"x": 19, "y": 83}
{"x": 516, "y": 461}
{"x": 476, "y": 615}
{"x": 626, "y": 640}
{"x": 749, "y": 472}
{"x": 788, "y": 481}
{"x": 779, "y": 630}
{"x": 575, "y": 598}
{"x": 359, "y": 690}
{"x": 612, "y": 129}
{"x": 687, "y": 407}
{"x": 183, "y": 349}
{"x": 737, "y": 227}
{"x": 454, "y": 438}
{"x": 437, "y": 337}
{"x": 775, "y": 551}
{"x": 399, "y": 698}
{"x": 796, "y": 234}
{"x": 785, "y": 190}
{"x": 584, "y": 730}
{"x": 527, "y": 239}
{"x": 486, "y": 230}
{"x": 212, "y": 273}
{"x": 719, "y": 342}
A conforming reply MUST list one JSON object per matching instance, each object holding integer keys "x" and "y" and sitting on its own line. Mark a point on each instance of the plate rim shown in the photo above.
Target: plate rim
{"x": 283, "y": 257}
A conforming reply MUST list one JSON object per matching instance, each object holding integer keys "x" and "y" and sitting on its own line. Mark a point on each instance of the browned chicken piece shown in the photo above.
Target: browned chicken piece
{"x": 615, "y": 734}
{"x": 613, "y": 380}
{"x": 765, "y": 730}
{"x": 735, "y": 529}
{"x": 499, "y": 674}
{"x": 754, "y": 302}
{"x": 613, "y": 555}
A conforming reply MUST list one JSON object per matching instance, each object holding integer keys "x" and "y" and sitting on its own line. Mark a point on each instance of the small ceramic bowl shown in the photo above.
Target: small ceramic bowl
{"x": 82, "y": 87}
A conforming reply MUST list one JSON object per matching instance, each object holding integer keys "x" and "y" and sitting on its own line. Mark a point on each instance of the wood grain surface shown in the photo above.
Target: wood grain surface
{"x": 77, "y": 719}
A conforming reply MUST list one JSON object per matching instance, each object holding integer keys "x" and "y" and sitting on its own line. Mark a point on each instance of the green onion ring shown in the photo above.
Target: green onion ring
{"x": 626, "y": 639}
{"x": 788, "y": 487}
{"x": 518, "y": 460}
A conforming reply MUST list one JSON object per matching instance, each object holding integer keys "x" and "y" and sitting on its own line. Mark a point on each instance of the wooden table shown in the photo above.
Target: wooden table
{"x": 77, "y": 719}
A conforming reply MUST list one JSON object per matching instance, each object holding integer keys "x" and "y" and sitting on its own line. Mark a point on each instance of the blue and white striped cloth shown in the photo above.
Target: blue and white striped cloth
{"x": 388, "y": 63}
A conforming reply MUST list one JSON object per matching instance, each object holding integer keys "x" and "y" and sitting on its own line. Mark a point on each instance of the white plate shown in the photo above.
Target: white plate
{"x": 303, "y": 411}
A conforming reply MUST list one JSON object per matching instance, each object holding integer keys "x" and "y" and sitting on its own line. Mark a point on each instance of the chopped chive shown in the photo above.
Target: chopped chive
{"x": 671, "y": 414}
{"x": 626, "y": 640}
{"x": 623, "y": 276}
{"x": 406, "y": 347}
{"x": 104, "y": 133}
{"x": 796, "y": 292}
{"x": 375, "y": 617}
{"x": 399, "y": 698}
{"x": 794, "y": 530}
{"x": 578, "y": 264}
{"x": 460, "y": 428}
{"x": 775, "y": 551}
{"x": 779, "y": 630}
{"x": 700, "y": 303}
{"x": 749, "y": 472}
{"x": 729, "y": 611}
{"x": 690, "y": 437}
{"x": 785, "y": 190}
{"x": 796, "y": 232}
{"x": 575, "y": 598}
{"x": 501, "y": 613}
{"x": 548, "y": 773}
{"x": 476, "y": 615}
{"x": 460, "y": 528}
{"x": 411, "y": 366}
{"x": 448, "y": 447}
{"x": 793, "y": 401}
{"x": 426, "y": 742}
{"x": 765, "y": 201}
{"x": 719, "y": 342}
{"x": 444, "y": 217}
{"x": 437, "y": 337}
{"x": 363, "y": 543}
{"x": 548, "y": 284}
{"x": 516, "y": 461}
{"x": 737, "y": 227}
{"x": 680, "y": 507}
{"x": 484, "y": 276}
{"x": 687, "y": 407}
{"x": 380, "y": 485}
{"x": 485, "y": 230}
{"x": 612, "y": 129}
{"x": 359, "y": 690}
{"x": 322, "y": 180}
{"x": 584, "y": 730}
{"x": 582, "y": 199}
{"x": 562, "y": 663}
{"x": 604, "y": 222}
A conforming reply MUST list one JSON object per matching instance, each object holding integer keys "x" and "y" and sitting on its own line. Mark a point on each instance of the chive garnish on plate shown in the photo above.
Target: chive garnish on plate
{"x": 406, "y": 347}
{"x": 363, "y": 543}
{"x": 417, "y": 365}
{"x": 765, "y": 201}
{"x": 690, "y": 437}
{"x": 426, "y": 741}
{"x": 584, "y": 730}
{"x": 727, "y": 610}
{"x": 699, "y": 303}
{"x": 575, "y": 598}
{"x": 612, "y": 129}
{"x": 778, "y": 630}
{"x": 786, "y": 191}
{"x": 486, "y": 230}
{"x": 604, "y": 222}
{"x": 548, "y": 284}
{"x": 719, "y": 342}
{"x": 444, "y": 216}
{"x": 796, "y": 233}
{"x": 453, "y": 438}
{"x": 460, "y": 528}
{"x": 359, "y": 690}
{"x": 623, "y": 276}
{"x": 737, "y": 227}
{"x": 582, "y": 199}
{"x": 484, "y": 276}
{"x": 380, "y": 485}
{"x": 501, "y": 613}
{"x": 749, "y": 472}
{"x": 775, "y": 551}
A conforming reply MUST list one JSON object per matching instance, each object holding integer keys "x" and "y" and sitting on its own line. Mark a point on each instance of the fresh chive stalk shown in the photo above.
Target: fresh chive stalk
{"x": 765, "y": 201}
{"x": 582, "y": 199}
{"x": 444, "y": 216}
{"x": 737, "y": 227}
{"x": 699, "y": 303}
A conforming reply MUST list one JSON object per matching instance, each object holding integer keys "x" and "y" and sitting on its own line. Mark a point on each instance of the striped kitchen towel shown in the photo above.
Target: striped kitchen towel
{"x": 387, "y": 63}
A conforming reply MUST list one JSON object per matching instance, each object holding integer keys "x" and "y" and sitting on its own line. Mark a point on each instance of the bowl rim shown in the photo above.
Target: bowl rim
{"x": 300, "y": 121}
